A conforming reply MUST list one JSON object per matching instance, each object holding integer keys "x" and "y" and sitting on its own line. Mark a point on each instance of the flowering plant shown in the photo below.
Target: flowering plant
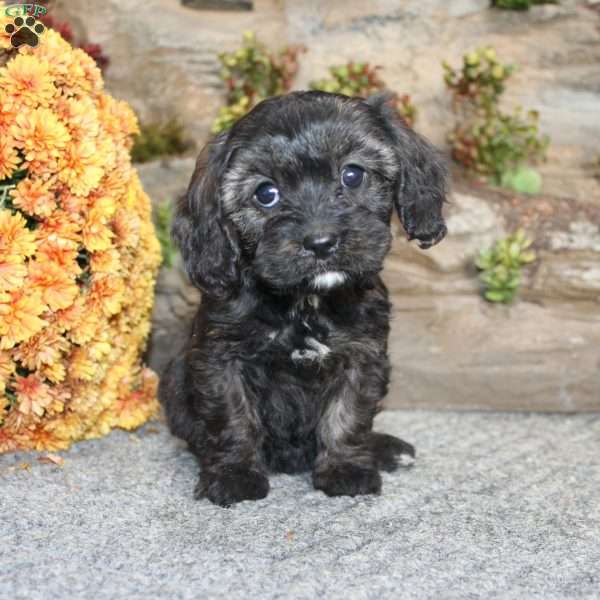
{"x": 78, "y": 253}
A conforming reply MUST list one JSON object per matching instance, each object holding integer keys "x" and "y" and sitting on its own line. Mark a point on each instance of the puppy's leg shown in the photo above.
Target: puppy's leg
{"x": 214, "y": 413}
{"x": 346, "y": 464}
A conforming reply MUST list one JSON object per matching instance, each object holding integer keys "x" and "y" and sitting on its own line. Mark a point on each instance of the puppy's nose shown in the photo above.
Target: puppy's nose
{"x": 322, "y": 244}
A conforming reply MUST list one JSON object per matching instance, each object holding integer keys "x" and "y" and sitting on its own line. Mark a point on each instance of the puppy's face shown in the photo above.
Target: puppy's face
{"x": 299, "y": 195}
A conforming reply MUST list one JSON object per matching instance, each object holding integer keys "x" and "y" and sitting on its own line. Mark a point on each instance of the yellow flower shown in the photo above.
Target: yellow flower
{"x": 68, "y": 427}
{"x": 4, "y": 36}
{"x": 28, "y": 81}
{"x": 78, "y": 259}
{"x": 12, "y": 272}
{"x": 57, "y": 289}
{"x": 44, "y": 349}
{"x": 16, "y": 244}
{"x": 35, "y": 197}
{"x": 61, "y": 252}
{"x": 19, "y": 317}
{"x": 103, "y": 205}
{"x": 80, "y": 168}
{"x": 33, "y": 395}
{"x": 59, "y": 224}
{"x": 106, "y": 294}
{"x": 81, "y": 117}
{"x": 85, "y": 324}
{"x": 115, "y": 182}
{"x": 8, "y": 113}
{"x": 75, "y": 206}
{"x": 55, "y": 373}
{"x": 15, "y": 238}
{"x": 97, "y": 235}
{"x": 106, "y": 262}
{"x": 39, "y": 438}
{"x": 9, "y": 159}
{"x": 81, "y": 366}
{"x": 7, "y": 368}
{"x": 127, "y": 227}
{"x": 8, "y": 443}
{"x": 42, "y": 138}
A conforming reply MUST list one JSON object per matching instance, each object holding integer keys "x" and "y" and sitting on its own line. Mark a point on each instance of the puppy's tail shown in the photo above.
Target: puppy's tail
{"x": 391, "y": 452}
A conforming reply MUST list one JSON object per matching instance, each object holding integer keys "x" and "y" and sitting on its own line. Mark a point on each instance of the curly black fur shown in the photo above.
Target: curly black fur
{"x": 287, "y": 363}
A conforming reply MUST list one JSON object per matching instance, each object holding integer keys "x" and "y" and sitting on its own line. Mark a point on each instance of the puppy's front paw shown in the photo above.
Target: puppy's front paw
{"x": 391, "y": 452}
{"x": 235, "y": 484}
{"x": 347, "y": 479}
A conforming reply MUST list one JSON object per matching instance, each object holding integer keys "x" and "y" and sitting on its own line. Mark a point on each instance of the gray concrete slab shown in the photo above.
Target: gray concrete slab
{"x": 497, "y": 506}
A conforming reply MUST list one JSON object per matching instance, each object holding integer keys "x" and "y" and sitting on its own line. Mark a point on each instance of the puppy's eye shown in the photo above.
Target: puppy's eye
{"x": 267, "y": 195}
{"x": 352, "y": 176}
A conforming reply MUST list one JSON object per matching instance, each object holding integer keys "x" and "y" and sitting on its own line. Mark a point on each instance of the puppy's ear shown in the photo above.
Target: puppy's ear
{"x": 207, "y": 241}
{"x": 422, "y": 178}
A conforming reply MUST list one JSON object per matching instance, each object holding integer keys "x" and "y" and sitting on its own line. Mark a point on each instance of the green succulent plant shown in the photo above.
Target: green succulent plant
{"x": 163, "y": 218}
{"x": 501, "y": 267}
{"x": 487, "y": 141}
{"x": 156, "y": 140}
{"x": 252, "y": 73}
{"x": 480, "y": 79}
{"x": 520, "y": 4}
{"x": 362, "y": 80}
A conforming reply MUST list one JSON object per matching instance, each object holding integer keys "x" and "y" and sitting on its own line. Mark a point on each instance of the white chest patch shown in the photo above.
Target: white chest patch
{"x": 328, "y": 280}
{"x": 315, "y": 351}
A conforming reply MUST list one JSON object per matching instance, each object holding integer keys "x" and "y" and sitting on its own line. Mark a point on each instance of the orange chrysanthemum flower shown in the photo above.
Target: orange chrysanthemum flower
{"x": 27, "y": 79}
{"x": 97, "y": 235}
{"x": 61, "y": 252}
{"x": 34, "y": 197}
{"x": 12, "y": 272}
{"x": 42, "y": 138}
{"x": 57, "y": 289}
{"x": 75, "y": 206}
{"x": 106, "y": 294}
{"x": 88, "y": 323}
{"x": 82, "y": 366}
{"x": 8, "y": 112}
{"x": 39, "y": 438}
{"x": 127, "y": 227}
{"x": 33, "y": 395}
{"x": 55, "y": 373}
{"x": 44, "y": 349}
{"x": 7, "y": 368}
{"x": 103, "y": 205}
{"x": 19, "y": 317}
{"x": 4, "y": 35}
{"x": 15, "y": 238}
{"x": 106, "y": 262}
{"x": 9, "y": 159}
{"x": 81, "y": 117}
{"x": 76, "y": 223}
{"x": 80, "y": 168}
{"x": 60, "y": 225}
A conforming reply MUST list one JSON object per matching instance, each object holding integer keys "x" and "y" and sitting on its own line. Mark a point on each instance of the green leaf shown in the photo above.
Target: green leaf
{"x": 524, "y": 180}
{"x": 494, "y": 296}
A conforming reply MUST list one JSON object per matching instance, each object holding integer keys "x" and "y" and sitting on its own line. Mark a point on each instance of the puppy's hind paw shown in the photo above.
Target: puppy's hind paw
{"x": 235, "y": 484}
{"x": 391, "y": 452}
{"x": 347, "y": 479}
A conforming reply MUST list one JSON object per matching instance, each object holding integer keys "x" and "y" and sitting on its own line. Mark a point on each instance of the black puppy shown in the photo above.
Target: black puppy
{"x": 284, "y": 228}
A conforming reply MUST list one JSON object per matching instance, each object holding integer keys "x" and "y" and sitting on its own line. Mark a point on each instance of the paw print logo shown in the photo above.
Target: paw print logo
{"x": 24, "y": 31}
